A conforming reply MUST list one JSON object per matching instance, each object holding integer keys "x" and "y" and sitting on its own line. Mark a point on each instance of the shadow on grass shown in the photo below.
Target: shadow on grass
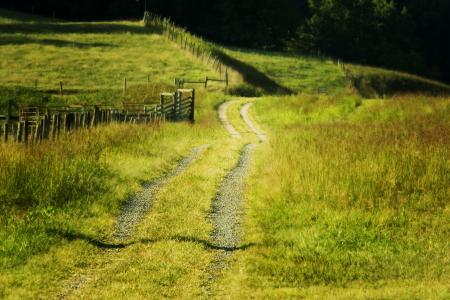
{"x": 252, "y": 75}
{"x": 189, "y": 239}
{"x": 93, "y": 28}
{"x": 21, "y": 40}
{"x": 73, "y": 236}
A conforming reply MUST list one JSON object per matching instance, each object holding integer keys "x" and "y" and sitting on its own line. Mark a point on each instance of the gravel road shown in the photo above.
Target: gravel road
{"x": 226, "y": 218}
{"x": 227, "y": 207}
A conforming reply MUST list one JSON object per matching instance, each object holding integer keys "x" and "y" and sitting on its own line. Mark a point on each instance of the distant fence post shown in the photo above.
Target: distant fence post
{"x": 161, "y": 102}
{"x": 192, "y": 116}
{"x": 61, "y": 88}
{"x": 226, "y": 76}
{"x": 176, "y": 97}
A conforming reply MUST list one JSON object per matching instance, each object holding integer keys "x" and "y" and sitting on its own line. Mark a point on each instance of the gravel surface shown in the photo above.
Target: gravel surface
{"x": 226, "y": 123}
{"x": 138, "y": 205}
{"x": 226, "y": 218}
{"x": 227, "y": 208}
{"x": 246, "y": 117}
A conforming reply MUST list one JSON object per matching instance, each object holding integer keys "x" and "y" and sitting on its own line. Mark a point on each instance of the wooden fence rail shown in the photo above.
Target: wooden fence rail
{"x": 34, "y": 124}
{"x": 179, "y": 83}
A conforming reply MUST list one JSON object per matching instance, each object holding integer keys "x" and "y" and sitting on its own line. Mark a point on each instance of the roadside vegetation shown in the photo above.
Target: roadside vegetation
{"x": 60, "y": 200}
{"x": 349, "y": 200}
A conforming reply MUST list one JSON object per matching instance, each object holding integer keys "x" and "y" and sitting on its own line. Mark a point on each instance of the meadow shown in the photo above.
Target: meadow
{"x": 349, "y": 200}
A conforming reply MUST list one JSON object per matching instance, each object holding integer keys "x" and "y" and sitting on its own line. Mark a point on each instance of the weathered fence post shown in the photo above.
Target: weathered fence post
{"x": 125, "y": 86}
{"x": 192, "y": 116}
{"x": 206, "y": 82}
{"x": 175, "y": 105}
{"x": 226, "y": 76}
{"x": 61, "y": 88}
{"x": 162, "y": 100}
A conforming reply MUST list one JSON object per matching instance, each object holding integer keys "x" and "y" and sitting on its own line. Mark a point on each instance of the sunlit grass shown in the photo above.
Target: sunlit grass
{"x": 91, "y": 59}
{"x": 295, "y": 72}
{"x": 349, "y": 194}
{"x": 57, "y": 196}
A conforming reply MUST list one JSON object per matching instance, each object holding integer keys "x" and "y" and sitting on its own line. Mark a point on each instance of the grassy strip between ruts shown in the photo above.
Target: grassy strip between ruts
{"x": 59, "y": 199}
{"x": 350, "y": 200}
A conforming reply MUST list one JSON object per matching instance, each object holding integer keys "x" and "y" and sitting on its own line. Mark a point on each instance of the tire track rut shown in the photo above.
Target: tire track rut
{"x": 223, "y": 109}
{"x": 228, "y": 206}
{"x": 250, "y": 124}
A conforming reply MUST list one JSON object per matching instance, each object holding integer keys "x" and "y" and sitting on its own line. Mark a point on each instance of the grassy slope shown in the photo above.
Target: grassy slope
{"x": 92, "y": 59}
{"x": 296, "y": 73}
{"x": 349, "y": 200}
{"x": 309, "y": 75}
{"x": 377, "y": 82}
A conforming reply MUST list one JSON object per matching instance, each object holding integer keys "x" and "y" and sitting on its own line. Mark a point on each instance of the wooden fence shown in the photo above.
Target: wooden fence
{"x": 203, "y": 50}
{"x": 179, "y": 83}
{"x": 33, "y": 124}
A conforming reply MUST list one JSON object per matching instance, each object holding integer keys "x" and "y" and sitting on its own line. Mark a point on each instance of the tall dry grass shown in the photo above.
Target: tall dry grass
{"x": 351, "y": 193}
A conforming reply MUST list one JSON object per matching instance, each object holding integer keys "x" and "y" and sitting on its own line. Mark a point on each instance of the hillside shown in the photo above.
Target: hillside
{"x": 293, "y": 73}
{"x": 91, "y": 59}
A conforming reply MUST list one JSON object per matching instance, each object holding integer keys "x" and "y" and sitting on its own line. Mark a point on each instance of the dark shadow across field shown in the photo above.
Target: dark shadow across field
{"x": 252, "y": 75}
{"x": 73, "y": 236}
{"x": 21, "y": 40}
{"x": 92, "y": 28}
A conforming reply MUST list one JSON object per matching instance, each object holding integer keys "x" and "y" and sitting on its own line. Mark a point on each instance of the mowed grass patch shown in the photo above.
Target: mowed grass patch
{"x": 60, "y": 200}
{"x": 89, "y": 58}
{"x": 349, "y": 200}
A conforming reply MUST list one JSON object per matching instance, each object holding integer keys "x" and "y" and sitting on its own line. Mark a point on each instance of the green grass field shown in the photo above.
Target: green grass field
{"x": 350, "y": 200}
{"x": 347, "y": 200}
{"x": 91, "y": 59}
{"x": 303, "y": 74}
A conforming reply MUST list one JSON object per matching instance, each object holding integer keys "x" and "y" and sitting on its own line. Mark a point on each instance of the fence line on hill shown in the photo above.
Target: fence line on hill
{"x": 34, "y": 124}
{"x": 195, "y": 45}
